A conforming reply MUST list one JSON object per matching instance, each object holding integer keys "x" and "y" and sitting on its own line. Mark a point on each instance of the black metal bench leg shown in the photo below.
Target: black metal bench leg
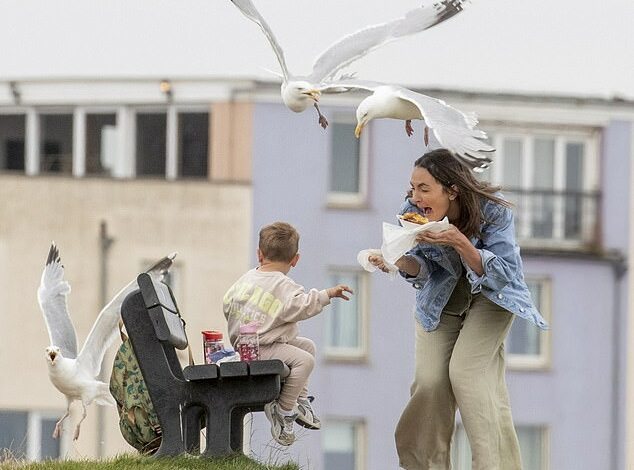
{"x": 191, "y": 428}
{"x": 237, "y": 428}
{"x": 218, "y": 433}
{"x": 172, "y": 441}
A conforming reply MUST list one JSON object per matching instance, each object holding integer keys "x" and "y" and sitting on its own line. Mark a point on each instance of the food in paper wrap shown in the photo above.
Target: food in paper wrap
{"x": 398, "y": 240}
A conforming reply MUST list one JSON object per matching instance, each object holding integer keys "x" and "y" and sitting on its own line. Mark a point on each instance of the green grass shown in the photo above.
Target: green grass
{"x": 234, "y": 462}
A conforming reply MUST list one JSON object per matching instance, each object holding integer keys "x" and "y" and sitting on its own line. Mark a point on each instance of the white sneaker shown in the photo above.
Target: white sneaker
{"x": 281, "y": 426}
{"x": 306, "y": 417}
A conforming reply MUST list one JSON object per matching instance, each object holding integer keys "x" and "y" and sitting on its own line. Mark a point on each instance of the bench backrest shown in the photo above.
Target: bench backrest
{"x": 163, "y": 311}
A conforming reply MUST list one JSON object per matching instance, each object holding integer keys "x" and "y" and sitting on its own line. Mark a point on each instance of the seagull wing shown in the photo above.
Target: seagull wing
{"x": 51, "y": 296}
{"x": 454, "y": 129}
{"x": 358, "y": 44}
{"x": 248, "y": 9}
{"x": 344, "y": 85}
{"x": 105, "y": 329}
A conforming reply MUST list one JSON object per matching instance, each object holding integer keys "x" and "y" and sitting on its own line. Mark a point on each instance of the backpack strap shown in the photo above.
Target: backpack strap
{"x": 189, "y": 348}
{"x": 124, "y": 337}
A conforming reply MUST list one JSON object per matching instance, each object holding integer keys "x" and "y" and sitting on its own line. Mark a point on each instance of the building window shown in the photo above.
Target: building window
{"x": 56, "y": 143}
{"x": 528, "y": 347}
{"x": 344, "y": 444}
{"x": 552, "y": 179}
{"x": 193, "y": 144}
{"x": 347, "y": 185}
{"x": 28, "y": 435}
{"x": 151, "y": 143}
{"x": 12, "y": 135}
{"x": 533, "y": 442}
{"x": 101, "y": 143}
{"x": 346, "y": 323}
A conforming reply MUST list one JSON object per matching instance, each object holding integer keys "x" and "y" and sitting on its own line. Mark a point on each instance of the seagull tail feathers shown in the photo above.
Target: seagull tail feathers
{"x": 104, "y": 397}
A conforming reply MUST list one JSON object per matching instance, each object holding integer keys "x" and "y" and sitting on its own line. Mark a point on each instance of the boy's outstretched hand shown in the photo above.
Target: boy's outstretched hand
{"x": 338, "y": 291}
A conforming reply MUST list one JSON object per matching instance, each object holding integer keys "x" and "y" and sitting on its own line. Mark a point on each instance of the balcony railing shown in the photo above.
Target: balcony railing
{"x": 556, "y": 219}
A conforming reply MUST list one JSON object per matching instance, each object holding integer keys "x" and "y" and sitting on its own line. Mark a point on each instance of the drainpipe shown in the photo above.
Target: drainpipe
{"x": 104, "y": 246}
{"x": 619, "y": 266}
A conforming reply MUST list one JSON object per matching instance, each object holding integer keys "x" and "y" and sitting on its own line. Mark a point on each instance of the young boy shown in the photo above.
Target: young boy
{"x": 266, "y": 295}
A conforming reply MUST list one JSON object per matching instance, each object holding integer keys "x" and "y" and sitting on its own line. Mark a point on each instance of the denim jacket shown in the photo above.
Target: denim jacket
{"x": 502, "y": 281}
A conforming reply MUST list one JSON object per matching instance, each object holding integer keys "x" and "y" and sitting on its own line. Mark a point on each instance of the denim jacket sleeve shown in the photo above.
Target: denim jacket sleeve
{"x": 498, "y": 250}
{"x": 427, "y": 267}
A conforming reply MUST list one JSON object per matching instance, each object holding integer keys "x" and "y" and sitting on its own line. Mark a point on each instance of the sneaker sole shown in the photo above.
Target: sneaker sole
{"x": 306, "y": 424}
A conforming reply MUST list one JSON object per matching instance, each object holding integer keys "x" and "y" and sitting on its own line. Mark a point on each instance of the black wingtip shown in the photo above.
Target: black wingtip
{"x": 53, "y": 255}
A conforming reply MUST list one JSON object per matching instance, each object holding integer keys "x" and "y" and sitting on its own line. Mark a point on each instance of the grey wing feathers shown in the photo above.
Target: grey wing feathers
{"x": 162, "y": 266}
{"x": 341, "y": 86}
{"x": 105, "y": 329}
{"x": 51, "y": 296}
{"x": 356, "y": 45}
{"x": 248, "y": 9}
{"x": 454, "y": 129}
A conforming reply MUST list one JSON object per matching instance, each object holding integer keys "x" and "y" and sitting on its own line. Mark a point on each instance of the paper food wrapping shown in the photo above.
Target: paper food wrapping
{"x": 398, "y": 240}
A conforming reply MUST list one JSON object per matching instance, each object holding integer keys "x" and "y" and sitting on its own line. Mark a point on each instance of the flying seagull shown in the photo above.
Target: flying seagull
{"x": 299, "y": 92}
{"x": 75, "y": 375}
{"x": 454, "y": 130}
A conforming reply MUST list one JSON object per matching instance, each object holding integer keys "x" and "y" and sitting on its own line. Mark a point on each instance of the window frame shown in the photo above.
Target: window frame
{"x": 360, "y": 442}
{"x": 38, "y": 112}
{"x": 359, "y": 354}
{"x": 33, "y": 436}
{"x": 17, "y": 111}
{"x": 348, "y": 200}
{"x": 589, "y": 136}
{"x": 543, "y": 360}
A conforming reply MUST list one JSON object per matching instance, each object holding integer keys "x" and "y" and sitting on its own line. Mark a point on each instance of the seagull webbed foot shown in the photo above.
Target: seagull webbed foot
{"x": 408, "y": 127}
{"x": 323, "y": 122}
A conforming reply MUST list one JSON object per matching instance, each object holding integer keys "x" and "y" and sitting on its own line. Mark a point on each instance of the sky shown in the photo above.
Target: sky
{"x": 565, "y": 47}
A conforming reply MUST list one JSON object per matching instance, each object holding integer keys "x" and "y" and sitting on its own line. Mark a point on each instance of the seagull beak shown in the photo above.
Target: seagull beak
{"x": 314, "y": 94}
{"x": 358, "y": 129}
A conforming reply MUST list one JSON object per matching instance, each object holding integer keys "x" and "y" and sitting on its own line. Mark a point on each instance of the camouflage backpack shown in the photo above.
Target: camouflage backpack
{"x": 138, "y": 421}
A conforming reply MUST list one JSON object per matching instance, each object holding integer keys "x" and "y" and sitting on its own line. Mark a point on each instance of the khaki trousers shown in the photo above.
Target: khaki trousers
{"x": 461, "y": 363}
{"x": 299, "y": 355}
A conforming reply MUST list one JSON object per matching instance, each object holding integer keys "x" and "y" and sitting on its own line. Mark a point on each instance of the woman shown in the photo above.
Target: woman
{"x": 469, "y": 285}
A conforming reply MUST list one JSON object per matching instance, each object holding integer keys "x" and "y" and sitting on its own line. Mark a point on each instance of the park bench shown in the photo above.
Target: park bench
{"x": 216, "y": 397}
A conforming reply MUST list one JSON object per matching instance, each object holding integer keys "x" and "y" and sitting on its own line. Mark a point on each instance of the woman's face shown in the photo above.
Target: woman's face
{"x": 429, "y": 195}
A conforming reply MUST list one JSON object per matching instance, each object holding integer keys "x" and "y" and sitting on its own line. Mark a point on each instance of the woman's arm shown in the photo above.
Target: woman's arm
{"x": 456, "y": 239}
{"x": 496, "y": 262}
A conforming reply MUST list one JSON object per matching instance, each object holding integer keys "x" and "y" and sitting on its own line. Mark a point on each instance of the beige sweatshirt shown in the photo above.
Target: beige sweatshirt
{"x": 275, "y": 301}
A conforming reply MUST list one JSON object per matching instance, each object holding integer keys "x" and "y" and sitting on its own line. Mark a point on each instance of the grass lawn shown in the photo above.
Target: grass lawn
{"x": 234, "y": 462}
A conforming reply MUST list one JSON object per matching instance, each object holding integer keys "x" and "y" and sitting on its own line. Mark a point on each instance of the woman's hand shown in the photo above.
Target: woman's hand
{"x": 404, "y": 263}
{"x": 379, "y": 262}
{"x": 456, "y": 239}
{"x": 451, "y": 237}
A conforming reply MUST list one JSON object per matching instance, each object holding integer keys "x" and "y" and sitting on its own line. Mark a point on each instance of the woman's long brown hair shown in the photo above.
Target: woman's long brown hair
{"x": 455, "y": 176}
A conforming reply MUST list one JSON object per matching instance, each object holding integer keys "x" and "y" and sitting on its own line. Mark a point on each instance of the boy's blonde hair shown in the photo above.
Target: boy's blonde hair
{"x": 279, "y": 241}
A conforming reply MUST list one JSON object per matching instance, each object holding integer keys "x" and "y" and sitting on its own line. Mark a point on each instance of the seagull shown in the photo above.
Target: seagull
{"x": 298, "y": 92}
{"x": 456, "y": 131}
{"x": 75, "y": 375}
